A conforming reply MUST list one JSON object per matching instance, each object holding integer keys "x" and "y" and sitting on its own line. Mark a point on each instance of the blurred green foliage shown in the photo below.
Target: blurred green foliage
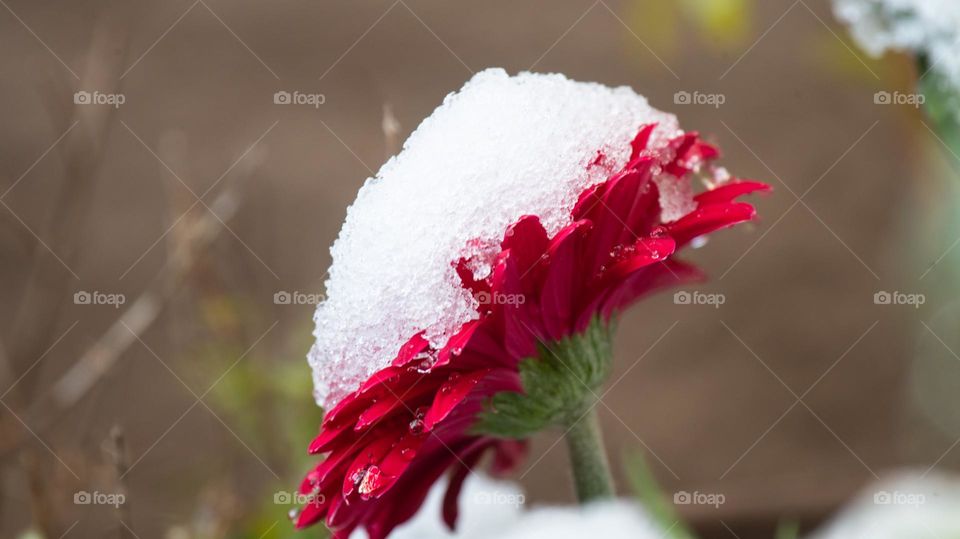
{"x": 266, "y": 397}
{"x": 664, "y": 26}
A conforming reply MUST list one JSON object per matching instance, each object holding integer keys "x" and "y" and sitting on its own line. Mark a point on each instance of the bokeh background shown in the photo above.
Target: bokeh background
{"x": 198, "y": 200}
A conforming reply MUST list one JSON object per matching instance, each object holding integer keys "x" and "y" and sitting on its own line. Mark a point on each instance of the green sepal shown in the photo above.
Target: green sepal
{"x": 559, "y": 384}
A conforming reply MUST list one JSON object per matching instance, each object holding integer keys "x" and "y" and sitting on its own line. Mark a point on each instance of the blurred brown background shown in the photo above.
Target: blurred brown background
{"x": 198, "y": 199}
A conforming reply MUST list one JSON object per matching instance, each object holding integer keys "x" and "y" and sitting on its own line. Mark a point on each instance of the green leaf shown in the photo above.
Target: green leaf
{"x": 788, "y": 530}
{"x": 942, "y": 104}
{"x": 646, "y": 488}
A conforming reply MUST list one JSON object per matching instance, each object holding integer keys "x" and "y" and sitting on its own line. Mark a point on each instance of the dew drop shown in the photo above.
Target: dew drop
{"x": 424, "y": 361}
{"x": 416, "y": 424}
{"x": 371, "y": 481}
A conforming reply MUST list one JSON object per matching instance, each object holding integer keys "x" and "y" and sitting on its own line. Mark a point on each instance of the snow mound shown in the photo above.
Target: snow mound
{"x": 490, "y": 508}
{"x": 500, "y": 148}
{"x": 905, "y": 506}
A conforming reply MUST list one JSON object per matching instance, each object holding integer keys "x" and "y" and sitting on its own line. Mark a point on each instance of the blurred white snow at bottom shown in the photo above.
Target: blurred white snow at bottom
{"x": 490, "y": 508}
{"x": 907, "y": 505}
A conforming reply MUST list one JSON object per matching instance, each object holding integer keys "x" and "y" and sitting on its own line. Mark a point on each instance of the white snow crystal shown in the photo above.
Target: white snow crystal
{"x": 500, "y": 148}
{"x": 928, "y": 27}
{"x": 488, "y": 509}
{"x": 910, "y": 505}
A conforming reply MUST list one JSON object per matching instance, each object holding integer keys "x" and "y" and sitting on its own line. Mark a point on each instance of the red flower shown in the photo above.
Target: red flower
{"x": 391, "y": 439}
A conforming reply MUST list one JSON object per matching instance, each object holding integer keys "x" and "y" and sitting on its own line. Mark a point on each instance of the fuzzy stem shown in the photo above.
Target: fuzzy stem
{"x": 591, "y": 469}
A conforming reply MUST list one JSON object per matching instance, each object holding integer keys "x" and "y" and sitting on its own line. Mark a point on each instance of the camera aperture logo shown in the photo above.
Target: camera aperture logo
{"x": 296, "y": 297}
{"x": 116, "y": 499}
{"x": 697, "y": 97}
{"x": 84, "y": 297}
{"x": 96, "y": 97}
{"x": 511, "y": 499}
{"x": 696, "y": 497}
{"x": 283, "y": 97}
{"x": 898, "y": 98}
{"x": 282, "y": 497}
{"x": 896, "y": 497}
{"x": 899, "y": 298}
{"x": 684, "y": 297}
{"x": 499, "y": 298}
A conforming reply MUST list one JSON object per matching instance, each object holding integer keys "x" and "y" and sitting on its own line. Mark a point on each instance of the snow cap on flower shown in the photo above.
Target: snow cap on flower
{"x": 905, "y": 506}
{"x": 930, "y": 28}
{"x": 500, "y": 148}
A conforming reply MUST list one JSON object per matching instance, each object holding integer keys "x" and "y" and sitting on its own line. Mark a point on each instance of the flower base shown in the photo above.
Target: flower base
{"x": 560, "y": 390}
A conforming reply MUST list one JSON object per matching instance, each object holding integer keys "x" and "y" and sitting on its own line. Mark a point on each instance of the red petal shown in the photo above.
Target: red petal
{"x": 729, "y": 191}
{"x": 368, "y": 456}
{"x": 456, "y": 344}
{"x": 378, "y": 379}
{"x": 527, "y": 241}
{"x": 508, "y": 455}
{"x": 640, "y": 142}
{"x": 410, "y": 349}
{"x": 326, "y": 438}
{"x": 708, "y": 219}
{"x": 450, "y": 507}
{"x": 451, "y": 393}
{"x": 393, "y": 401}
{"x": 646, "y": 251}
{"x": 560, "y": 285}
{"x": 400, "y": 456}
{"x": 311, "y": 513}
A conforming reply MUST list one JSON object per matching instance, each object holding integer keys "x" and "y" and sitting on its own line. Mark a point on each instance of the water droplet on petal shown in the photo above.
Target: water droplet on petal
{"x": 371, "y": 481}
{"x": 416, "y": 424}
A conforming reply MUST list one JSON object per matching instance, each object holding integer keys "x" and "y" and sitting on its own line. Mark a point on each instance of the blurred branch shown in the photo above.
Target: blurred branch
{"x": 47, "y": 288}
{"x": 116, "y": 449}
{"x": 45, "y": 518}
{"x": 81, "y": 154}
{"x": 144, "y": 310}
{"x": 94, "y": 364}
{"x": 391, "y": 131}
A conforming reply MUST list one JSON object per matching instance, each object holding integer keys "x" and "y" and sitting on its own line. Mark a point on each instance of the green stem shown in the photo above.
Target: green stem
{"x": 591, "y": 469}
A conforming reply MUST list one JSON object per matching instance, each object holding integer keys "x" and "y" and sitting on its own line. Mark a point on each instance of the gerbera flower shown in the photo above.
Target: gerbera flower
{"x": 475, "y": 278}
